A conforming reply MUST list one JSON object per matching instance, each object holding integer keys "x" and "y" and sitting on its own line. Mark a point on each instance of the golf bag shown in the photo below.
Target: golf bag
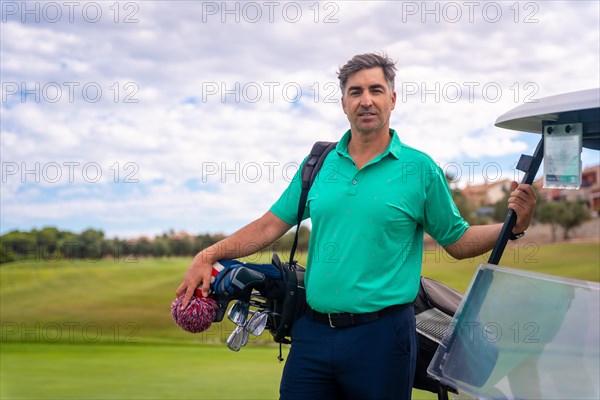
{"x": 290, "y": 306}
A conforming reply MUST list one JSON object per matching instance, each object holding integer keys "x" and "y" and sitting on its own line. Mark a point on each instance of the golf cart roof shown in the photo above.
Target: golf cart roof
{"x": 581, "y": 106}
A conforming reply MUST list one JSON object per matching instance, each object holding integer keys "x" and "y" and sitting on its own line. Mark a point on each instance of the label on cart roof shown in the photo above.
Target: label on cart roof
{"x": 562, "y": 156}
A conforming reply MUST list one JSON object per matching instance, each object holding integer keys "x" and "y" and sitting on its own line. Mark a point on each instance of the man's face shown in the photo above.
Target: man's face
{"x": 368, "y": 101}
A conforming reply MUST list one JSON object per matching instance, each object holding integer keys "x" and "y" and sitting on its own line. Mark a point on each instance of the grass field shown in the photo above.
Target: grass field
{"x": 127, "y": 371}
{"x": 102, "y": 330}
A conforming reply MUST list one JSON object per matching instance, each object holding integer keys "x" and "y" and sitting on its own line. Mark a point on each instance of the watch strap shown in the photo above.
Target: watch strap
{"x": 515, "y": 236}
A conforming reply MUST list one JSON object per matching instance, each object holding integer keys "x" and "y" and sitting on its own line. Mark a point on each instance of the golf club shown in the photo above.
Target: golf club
{"x": 238, "y": 313}
{"x": 237, "y": 338}
{"x": 257, "y": 323}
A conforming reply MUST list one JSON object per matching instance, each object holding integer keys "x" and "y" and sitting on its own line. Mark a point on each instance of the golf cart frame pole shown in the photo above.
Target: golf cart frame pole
{"x": 530, "y": 165}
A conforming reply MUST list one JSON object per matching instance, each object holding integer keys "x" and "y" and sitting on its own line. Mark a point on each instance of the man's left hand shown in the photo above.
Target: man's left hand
{"x": 522, "y": 200}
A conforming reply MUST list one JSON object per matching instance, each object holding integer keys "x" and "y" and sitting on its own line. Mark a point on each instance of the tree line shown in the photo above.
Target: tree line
{"x": 52, "y": 244}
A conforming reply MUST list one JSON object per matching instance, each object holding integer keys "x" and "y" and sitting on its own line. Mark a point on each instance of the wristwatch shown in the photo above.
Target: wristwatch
{"x": 515, "y": 236}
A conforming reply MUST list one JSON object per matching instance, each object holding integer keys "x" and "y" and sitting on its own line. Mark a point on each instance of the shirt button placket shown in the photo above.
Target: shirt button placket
{"x": 353, "y": 188}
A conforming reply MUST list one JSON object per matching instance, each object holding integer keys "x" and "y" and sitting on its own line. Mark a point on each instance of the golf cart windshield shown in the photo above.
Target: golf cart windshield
{"x": 520, "y": 335}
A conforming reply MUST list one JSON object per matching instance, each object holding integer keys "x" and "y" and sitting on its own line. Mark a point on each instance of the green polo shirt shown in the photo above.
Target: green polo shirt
{"x": 366, "y": 243}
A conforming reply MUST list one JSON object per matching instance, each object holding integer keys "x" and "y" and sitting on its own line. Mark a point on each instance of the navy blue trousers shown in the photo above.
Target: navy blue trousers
{"x": 371, "y": 361}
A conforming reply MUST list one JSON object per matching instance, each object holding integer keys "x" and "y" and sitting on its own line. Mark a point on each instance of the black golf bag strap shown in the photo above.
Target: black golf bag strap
{"x": 311, "y": 167}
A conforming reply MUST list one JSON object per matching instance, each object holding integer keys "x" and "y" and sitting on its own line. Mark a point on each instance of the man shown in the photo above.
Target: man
{"x": 369, "y": 206}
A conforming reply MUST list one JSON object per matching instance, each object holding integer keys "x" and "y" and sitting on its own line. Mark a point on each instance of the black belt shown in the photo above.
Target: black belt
{"x": 344, "y": 320}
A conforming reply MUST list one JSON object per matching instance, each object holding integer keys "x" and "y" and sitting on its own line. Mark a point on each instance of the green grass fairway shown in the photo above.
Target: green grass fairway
{"x": 174, "y": 371}
{"x": 569, "y": 260}
{"x": 103, "y": 330}
{"x": 129, "y": 371}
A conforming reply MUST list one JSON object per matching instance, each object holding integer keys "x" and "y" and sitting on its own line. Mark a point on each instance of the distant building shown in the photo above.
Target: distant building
{"x": 181, "y": 235}
{"x": 486, "y": 195}
{"x": 589, "y": 192}
{"x": 591, "y": 185}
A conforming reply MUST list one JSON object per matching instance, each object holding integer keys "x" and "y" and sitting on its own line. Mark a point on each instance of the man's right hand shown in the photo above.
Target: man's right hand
{"x": 198, "y": 275}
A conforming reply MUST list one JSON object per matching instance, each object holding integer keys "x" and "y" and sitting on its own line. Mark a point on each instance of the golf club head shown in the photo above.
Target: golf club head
{"x": 238, "y": 313}
{"x": 257, "y": 323}
{"x": 237, "y": 283}
{"x": 235, "y": 341}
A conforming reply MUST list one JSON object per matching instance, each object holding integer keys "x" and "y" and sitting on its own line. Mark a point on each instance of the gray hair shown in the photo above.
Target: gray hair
{"x": 367, "y": 61}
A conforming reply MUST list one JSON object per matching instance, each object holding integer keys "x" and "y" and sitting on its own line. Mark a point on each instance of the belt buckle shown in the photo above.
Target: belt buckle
{"x": 330, "y": 322}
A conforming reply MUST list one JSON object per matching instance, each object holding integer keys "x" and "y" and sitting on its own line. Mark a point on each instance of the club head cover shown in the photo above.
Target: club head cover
{"x": 235, "y": 284}
{"x": 197, "y": 316}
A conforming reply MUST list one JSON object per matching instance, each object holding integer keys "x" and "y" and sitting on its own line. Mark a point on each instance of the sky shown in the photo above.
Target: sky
{"x": 138, "y": 117}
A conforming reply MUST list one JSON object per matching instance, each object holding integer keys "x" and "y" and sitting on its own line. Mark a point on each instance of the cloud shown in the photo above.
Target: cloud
{"x": 206, "y": 107}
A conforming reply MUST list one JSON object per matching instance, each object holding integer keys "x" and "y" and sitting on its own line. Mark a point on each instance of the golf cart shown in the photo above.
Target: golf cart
{"x": 524, "y": 335}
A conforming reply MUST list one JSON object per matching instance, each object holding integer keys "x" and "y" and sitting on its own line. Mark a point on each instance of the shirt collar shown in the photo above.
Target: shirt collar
{"x": 393, "y": 148}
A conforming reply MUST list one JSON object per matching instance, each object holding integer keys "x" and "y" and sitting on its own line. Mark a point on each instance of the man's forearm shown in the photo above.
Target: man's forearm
{"x": 480, "y": 239}
{"x": 476, "y": 240}
{"x": 248, "y": 240}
